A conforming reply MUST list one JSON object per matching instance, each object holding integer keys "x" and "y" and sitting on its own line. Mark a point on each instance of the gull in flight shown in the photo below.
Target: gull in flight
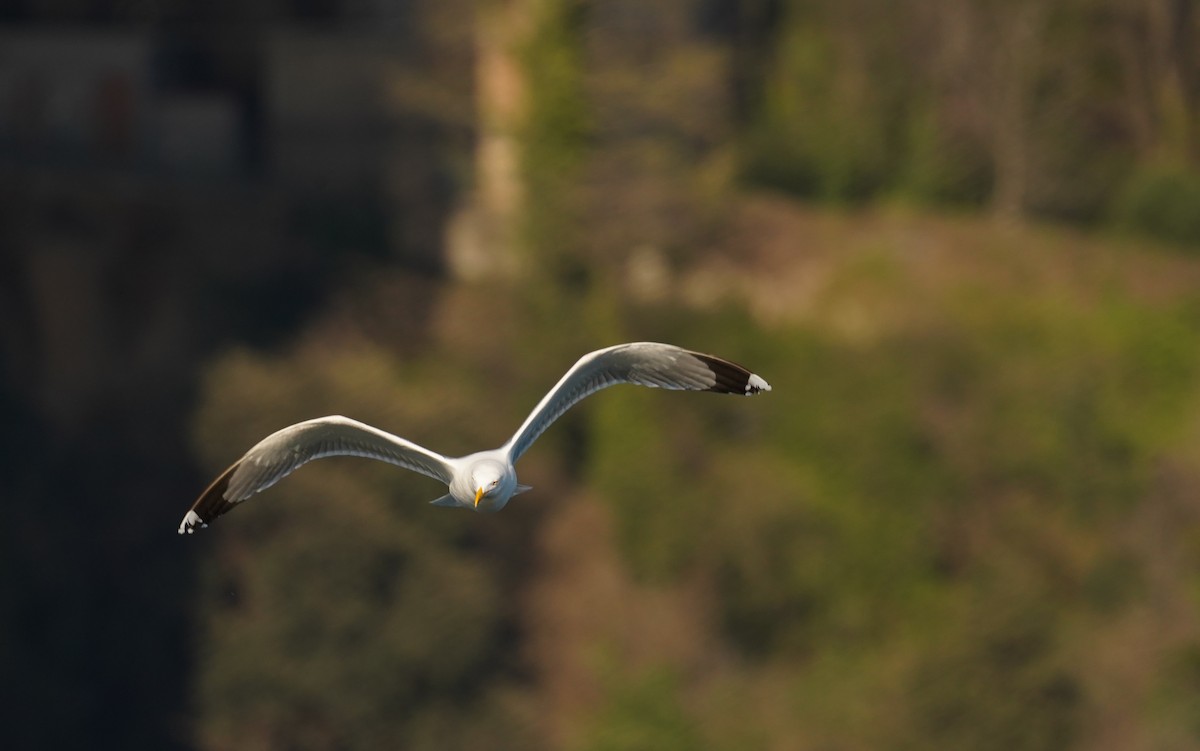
{"x": 483, "y": 481}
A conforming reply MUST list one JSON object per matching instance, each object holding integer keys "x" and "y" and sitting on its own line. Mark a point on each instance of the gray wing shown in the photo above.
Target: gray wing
{"x": 644, "y": 363}
{"x": 283, "y": 452}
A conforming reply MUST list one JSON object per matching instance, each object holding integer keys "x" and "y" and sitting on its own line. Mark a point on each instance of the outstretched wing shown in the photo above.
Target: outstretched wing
{"x": 644, "y": 363}
{"x": 282, "y": 452}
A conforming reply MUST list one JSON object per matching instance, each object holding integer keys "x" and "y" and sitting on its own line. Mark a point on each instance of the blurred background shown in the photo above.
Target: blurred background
{"x": 961, "y": 238}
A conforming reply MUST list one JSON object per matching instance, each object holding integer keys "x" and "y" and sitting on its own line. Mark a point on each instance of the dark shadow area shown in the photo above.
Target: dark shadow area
{"x": 172, "y": 183}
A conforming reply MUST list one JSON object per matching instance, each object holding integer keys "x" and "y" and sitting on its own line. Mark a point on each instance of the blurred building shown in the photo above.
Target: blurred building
{"x": 86, "y": 99}
{"x": 137, "y": 163}
{"x": 73, "y": 96}
{"x": 308, "y": 118}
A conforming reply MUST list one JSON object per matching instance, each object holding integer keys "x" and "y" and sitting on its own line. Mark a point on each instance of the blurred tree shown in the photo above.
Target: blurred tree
{"x": 349, "y": 614}
{"x": 644, "y": 714}
{"x": 1027, "y": 108}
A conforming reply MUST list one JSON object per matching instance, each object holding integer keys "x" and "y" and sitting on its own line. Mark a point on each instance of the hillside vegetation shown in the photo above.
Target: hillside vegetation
{"x": 962, "y": 519}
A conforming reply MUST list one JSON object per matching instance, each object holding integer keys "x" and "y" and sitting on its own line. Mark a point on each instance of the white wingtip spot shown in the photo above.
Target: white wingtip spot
{"x": 190, "y": 522}
{"x": 755, "y": 384}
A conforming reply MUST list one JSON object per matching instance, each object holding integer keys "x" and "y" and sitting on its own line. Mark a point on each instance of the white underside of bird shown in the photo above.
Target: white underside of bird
{"x": 484, "y": 481}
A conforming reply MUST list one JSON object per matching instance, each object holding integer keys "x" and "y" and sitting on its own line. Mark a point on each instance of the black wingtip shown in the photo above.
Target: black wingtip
{"x": 732, "y": 378}
{"x": 210, "y": 504}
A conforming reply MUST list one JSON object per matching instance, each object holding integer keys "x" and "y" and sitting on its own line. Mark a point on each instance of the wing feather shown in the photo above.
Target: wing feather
{"x": 643, "y": 363}
{"x": 285, "y": 451}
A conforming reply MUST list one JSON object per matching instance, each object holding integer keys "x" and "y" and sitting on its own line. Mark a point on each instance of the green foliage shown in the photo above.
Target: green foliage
{"x": 556, "y": 127}
{"x": 819, "y": 135}
{"x": 1070, "y": 405}
{"x": 643, "y": 712}
{"x": 921, "y": 538}
{"x": 921, "y": 516}
{"x": 641, "y": 465}
{"x": 1001, "y": 688}
{"x": 846, "y": 113}
{"x": 553, "y": 139}
{"x": 1176, "y": 699}
{"x": 1163, "y": 201}
{"x": 343, "y": 611}
{"x": 970, "y": 103}
{"x": 937, "y": 167}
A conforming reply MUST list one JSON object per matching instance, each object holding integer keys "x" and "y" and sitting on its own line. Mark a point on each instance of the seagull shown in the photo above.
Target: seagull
{"x": 483, "y": 481}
